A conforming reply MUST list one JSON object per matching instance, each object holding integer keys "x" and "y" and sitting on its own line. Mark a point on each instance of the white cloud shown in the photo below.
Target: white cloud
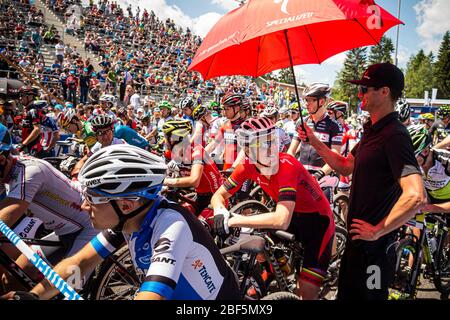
{"x": 402, "y": 56}
{"x": 336, "y": 60}
{"x": 227, "y": 4}
{"x": 204, "y": 23}
{"x": 199, "y": 25}
{"x": 433, "y": 22}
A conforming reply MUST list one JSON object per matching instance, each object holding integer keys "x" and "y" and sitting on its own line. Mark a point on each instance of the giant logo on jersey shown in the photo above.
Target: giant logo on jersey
{"x": 162, "y": 245}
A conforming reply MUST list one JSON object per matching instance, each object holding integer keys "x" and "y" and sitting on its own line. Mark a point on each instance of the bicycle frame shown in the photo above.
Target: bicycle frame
{"x": 423, "y": 247}
{"x": 11, "y": 266}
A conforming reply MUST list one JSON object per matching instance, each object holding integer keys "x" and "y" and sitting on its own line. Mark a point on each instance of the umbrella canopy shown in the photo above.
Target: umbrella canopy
{"x": 253, "y": 39}
{"x": 9, "y": 88}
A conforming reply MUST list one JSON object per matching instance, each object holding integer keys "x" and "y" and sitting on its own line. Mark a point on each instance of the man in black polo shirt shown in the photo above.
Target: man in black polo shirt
{"x": 387, "y": 187}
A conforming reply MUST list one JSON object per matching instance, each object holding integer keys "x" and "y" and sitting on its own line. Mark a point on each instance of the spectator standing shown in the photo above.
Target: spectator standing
{"x": 387, "y": 187}
{"x": 85, "y": 79}
{"x": 59, "y": 50}
{"x": 72, "y": 85}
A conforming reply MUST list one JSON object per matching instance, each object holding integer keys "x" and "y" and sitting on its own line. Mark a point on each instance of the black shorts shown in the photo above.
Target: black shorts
{"x": 361, "y": 264}
{"x": 203, "y": 201}
{"x": 316, "y": 233}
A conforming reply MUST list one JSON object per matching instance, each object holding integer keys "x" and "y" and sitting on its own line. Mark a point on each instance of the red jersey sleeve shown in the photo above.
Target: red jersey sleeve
{"x": 287, "y": 180}
{"x": 237, "y": 178}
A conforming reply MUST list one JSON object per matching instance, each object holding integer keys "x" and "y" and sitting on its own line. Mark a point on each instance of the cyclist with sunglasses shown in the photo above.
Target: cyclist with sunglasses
{"x": 33, "y": 187}
{"x": 103, "y": 127}
{"x": 387, "y": 186}
{"x": 169, "y": 246}
{"x": 302, "y": 208}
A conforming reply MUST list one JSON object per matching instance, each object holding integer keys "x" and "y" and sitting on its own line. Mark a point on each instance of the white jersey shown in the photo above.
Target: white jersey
{"x": 51, "y": 195}
{"x": 289, "y": 128}
{"x": 176, "y": 254}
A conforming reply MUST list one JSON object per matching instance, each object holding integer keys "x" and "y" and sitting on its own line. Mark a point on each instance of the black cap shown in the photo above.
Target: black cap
{"x": 382, "y": 75}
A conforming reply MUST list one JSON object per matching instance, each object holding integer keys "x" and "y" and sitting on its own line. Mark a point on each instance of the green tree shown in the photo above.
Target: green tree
{"x": 382, "y": 52}
{"x": 419, "y": 75}
{"x": 441, "y": 68}
{"x": 354, "y": 65}
{"x": 286, "y": 76}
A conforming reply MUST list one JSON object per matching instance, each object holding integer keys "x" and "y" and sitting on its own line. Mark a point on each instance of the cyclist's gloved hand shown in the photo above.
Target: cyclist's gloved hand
{"x": 173, "y": 166}
{"x": 319, "y": 175}
{"x": 221, "y": 217}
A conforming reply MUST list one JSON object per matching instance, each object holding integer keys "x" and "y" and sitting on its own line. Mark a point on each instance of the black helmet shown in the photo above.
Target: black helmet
{"x": 187, "y": 102}
{"x": 199, "y": 111}
{"x": 232, "y": 99}
{"x": 443, "y": 111}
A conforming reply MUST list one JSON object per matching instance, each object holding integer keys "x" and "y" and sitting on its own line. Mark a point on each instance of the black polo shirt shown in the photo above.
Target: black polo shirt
{"x": 384, "y": 154}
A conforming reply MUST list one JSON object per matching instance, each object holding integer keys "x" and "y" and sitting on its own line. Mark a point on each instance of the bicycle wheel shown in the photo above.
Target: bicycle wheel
{"x": 406, "y": 265}
{"x": 258, "y": 194}
{"x": 114, "y": 283}
{"x": 341, "y": 239}
{"x": 340, "y": 208}
{"x": 251, "y": 207}
{"x": 281, "y": 295}
{"x": 442, "y": 275}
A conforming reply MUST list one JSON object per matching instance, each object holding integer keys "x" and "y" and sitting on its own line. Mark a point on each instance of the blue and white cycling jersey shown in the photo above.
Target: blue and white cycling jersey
{"x": 130, "y": 136}
{"x": 176, "y": 253}
{"x": 48, "y": 129}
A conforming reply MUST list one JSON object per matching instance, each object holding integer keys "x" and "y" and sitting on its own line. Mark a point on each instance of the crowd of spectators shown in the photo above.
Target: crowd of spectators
{"x": 143, "y": 59}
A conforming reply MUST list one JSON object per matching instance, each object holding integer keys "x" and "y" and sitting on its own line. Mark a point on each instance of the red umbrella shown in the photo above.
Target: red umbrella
{"x": 253, "y": 39}
{"x": 266, "y": 35}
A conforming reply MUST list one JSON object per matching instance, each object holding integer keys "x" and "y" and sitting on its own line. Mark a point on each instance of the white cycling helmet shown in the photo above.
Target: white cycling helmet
{"x": 123, "y": 170}
{"x": 67, "y": 117}
{"x": 102, "y": 121}
{"x": 270, "y": 112}
{"x": 317, "y": 90}
{"x": 108, "y": 98}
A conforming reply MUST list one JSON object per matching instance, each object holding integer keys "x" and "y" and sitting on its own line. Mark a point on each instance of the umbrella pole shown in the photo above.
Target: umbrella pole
{"x": 295, "y": 81}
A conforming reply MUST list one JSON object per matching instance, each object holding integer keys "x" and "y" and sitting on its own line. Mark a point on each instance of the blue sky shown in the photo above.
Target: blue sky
{"x": 425, "y": 23}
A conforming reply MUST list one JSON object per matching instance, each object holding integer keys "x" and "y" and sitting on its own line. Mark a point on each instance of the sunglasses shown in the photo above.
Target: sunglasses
{"x": 267, "y": 144}
{"x": 98, "y": 199}
{"x": 102, "y": 133}
{"x": 364, "y": 89}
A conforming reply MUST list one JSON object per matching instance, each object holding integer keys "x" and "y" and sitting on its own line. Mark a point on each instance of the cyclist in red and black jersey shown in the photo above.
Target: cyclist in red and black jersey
{"x": 31, "y": 122}
{"x": 197, "y": 169}
{"x": 302, "y": 208}
{"x": 232, "y": 104}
